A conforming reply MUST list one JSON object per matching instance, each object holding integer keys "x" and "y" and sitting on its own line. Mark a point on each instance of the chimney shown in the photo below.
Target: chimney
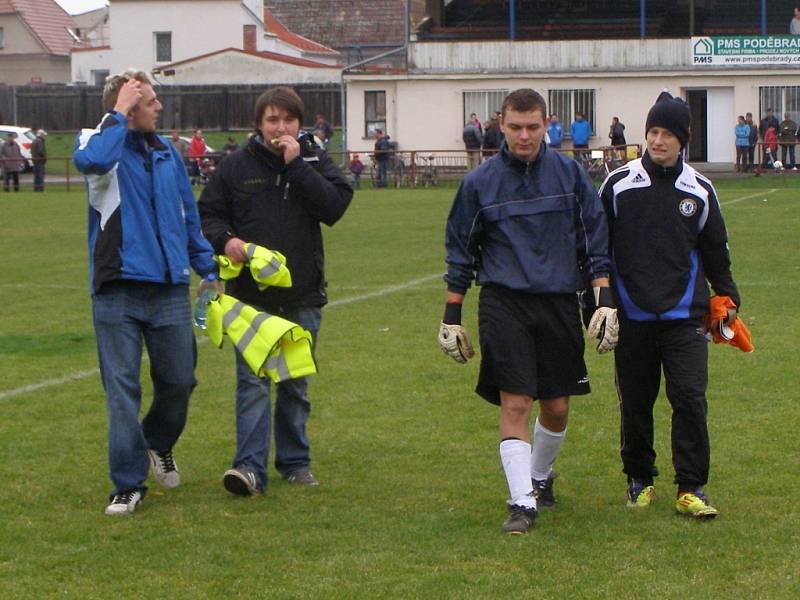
{"x": 249, "y": 38}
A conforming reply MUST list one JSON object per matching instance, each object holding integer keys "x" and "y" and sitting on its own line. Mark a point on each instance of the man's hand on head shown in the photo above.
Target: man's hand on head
{"x": 129, "y": 95}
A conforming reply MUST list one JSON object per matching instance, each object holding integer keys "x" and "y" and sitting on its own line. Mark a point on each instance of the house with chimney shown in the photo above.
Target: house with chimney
{"x": 197, "y": 42}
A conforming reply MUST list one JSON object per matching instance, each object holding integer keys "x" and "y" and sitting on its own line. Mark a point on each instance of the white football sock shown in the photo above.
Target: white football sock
{"x": 516, "y": 458}
{"x": 546, "y": 446}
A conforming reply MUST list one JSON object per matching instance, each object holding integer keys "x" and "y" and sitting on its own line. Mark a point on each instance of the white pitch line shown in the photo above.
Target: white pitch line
{"x": 735, "y": 200}
{"x": 92, "y": 372}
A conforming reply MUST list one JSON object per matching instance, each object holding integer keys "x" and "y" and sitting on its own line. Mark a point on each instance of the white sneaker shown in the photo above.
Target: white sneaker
{"x": 125, "y": 503}
{"x": 165, "y": 471}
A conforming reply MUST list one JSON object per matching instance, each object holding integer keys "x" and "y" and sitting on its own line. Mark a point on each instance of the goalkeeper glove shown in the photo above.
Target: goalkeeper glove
{"x": 453, "y": 339}
{"x": 604, "y": 325}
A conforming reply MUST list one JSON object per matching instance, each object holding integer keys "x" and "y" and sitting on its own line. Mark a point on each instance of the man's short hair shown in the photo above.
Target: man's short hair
{"x": 114, "y": 84}
{"x": 279, "y": 97}
{"x": 524, "y": 100}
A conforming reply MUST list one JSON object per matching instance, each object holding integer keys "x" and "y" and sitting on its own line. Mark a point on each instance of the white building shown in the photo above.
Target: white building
{"x": 425, "y": 107}
{"x": 171, "y": 34}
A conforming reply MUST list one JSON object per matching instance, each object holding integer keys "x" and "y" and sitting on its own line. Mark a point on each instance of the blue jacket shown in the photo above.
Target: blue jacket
{"x": 534, "y": 227}
{"x": 580, "y": 131}
{"x": 143, "y": 221}
{"x": 556, "y": 133}
{"x": 742, "y": 133}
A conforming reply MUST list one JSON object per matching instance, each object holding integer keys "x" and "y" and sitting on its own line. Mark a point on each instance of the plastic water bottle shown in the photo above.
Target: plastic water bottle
{"x": 201, "y": 306}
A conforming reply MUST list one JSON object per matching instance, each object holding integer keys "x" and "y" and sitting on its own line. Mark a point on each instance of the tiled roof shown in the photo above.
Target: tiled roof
{"x": 47, "y": 20}
{"x": 273, "y": 25}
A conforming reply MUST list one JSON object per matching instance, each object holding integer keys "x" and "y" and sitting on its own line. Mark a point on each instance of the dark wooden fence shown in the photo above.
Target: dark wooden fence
{"x": 69, "y": 108}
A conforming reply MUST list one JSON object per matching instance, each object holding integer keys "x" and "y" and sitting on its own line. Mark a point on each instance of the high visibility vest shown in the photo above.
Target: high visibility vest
{"x": 268, "y": 267}
{"x": 272, "y": 346}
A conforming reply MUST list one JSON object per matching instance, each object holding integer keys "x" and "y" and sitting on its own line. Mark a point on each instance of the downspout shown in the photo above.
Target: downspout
{"x": 343, "y": 84}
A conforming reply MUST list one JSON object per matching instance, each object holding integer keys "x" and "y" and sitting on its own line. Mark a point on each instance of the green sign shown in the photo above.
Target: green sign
{"x": 749, "y": 50}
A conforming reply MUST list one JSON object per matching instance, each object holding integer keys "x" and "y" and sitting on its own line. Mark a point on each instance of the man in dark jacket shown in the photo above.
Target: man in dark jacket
{"x": 383, "y": 154}
{"x": 39, "y": 158}
{"x": 528, "y": 226}
{"x": 144, "y": 235}
{"x": 275, "y": 192}
{"x": 769, "y": 121}
{"x": 667, "y": 239}
{"x": 787, "y": 136}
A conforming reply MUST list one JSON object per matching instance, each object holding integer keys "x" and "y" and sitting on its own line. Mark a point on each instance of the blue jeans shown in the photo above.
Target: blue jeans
{"x": 383, "y": 173}
{"x": 126, "y": 314}
{"x": 787, "y": 149}
{"x": 38, "y": 176}
{"x": 292, "y": 408}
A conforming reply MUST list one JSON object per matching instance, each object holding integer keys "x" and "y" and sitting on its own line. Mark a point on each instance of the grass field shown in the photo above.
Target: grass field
{"x": 412, "y": 493}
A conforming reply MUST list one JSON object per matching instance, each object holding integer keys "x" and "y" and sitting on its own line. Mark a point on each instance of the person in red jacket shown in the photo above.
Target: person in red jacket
{"x": 770, "y": 147}
{"x": 197, "y": 150}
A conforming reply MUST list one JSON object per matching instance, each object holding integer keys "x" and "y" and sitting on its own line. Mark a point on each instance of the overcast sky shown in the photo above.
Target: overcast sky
{"x": 76, "y": 7}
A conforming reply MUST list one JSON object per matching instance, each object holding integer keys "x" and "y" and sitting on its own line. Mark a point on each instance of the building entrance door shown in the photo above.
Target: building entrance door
{"x": 698, "y": 145}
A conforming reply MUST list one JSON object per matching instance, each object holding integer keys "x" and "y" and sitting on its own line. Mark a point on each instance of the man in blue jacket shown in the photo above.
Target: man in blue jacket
{"x": 555, "y": 132}
{"x": 144, "y": 235}
{"x": 528, "y": 226}
{"x": 581, "y": 131}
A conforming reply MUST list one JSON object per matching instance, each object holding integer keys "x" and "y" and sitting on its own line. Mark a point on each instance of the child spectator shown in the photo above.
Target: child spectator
{"x": 356, "y": 167}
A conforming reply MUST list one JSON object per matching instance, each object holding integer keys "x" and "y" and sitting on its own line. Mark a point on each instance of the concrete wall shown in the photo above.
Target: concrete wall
{"x": 22, "y": 69}
{"x": 17, "y": 37}
{"x": 243, "y": 68}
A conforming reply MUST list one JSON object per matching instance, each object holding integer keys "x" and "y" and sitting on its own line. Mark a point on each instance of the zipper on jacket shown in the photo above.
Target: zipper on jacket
{"x": 286, "y": 191}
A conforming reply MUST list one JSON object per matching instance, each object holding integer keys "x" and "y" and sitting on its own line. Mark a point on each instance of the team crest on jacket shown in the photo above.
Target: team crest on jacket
{"x": 688, "y": 207}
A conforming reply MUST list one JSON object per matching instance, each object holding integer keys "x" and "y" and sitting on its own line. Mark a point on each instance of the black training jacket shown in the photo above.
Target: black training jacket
{"x": 667, "y": 238}
{"x": 255, "y": 196}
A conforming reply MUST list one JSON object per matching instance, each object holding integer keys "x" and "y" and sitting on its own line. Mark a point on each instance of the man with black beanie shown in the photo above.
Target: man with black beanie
{"x": 666, "y": 239}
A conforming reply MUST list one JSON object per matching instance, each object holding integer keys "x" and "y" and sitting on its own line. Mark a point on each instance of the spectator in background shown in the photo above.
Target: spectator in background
{"x": 39, "y": 157}
{"x": 617, "y": 132}
{"x": 787, "y": 136}
{"x": 770, "y": 147}
{"x": 751, "y": 149}
{"x": 766, "y": 123}
{"x": 197, "y": 150}
{"x": 356, "y": 167}
{"x": 581, "y": 131}
{"x": 12, "y": 161}
{"x": 555, "y": 132}
{"x": 323, "y": 126}
{"x": 742, "y": 133}
{"x": 472, "y": 135}
{"x": 492, "y": 138}
{"x": 794, "y": 26}
{"x": 383, "y": 150}
{"x": 181, "y": 147}
{"x": 230, "y": 146}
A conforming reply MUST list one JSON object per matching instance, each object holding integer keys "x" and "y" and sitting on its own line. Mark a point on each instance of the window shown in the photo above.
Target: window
{"x": 566, "y": 103}
{"x": 781, "y": 99}
{"x": 374, "y": 113}
{"x": 2, "y": 39}
{"x": 98, "y": 77}
{"x": 484, "y": 103}
{"x": 163, "y": 46}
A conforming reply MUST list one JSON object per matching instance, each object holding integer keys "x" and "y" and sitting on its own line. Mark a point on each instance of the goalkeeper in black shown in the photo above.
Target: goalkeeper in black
{"x": 668, "y": 242}
{"x": 528, "y": 226}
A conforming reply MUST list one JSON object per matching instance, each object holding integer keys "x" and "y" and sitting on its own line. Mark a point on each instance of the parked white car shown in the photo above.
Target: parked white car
{"x": 25, "y": 137}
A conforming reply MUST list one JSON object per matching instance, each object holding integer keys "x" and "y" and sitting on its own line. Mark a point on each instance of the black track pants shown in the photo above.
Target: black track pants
{"x": 682, "y": 350}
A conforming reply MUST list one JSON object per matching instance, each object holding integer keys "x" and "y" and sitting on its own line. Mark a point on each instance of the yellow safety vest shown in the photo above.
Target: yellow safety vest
{"x": 272, "y": 346}
{"x": 268, "y": 267}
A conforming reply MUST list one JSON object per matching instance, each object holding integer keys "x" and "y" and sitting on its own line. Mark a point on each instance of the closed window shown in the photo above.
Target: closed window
{"x": 374, "y": 113}
{"x": 163, "y": 41}
{"x": 567, "y": 103}
{"x": 99, "y": 76}
{"x": 2, "y": 39}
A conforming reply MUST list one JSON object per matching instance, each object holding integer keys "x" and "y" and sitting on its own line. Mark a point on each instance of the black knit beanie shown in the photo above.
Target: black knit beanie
{"x": 670, "y": 113}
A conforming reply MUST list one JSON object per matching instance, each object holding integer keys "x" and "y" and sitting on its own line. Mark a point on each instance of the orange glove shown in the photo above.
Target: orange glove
{"x": 735, "y": 333}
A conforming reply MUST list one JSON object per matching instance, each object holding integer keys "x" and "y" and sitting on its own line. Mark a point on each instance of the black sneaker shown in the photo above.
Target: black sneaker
{"x": 124, "y": 503}
{"x": 302, "y": 477}
{"x": 241, "y": 482}
{"x": 520, "y": 520}
{"x": 543, "y": 491}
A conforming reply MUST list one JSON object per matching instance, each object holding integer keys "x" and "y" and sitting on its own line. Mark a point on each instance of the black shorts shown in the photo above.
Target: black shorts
{"x": 530, "y": 344}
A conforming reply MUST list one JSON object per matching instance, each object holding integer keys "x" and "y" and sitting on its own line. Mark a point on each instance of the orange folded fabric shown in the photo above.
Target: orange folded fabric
{"x": 735, "y": 334}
